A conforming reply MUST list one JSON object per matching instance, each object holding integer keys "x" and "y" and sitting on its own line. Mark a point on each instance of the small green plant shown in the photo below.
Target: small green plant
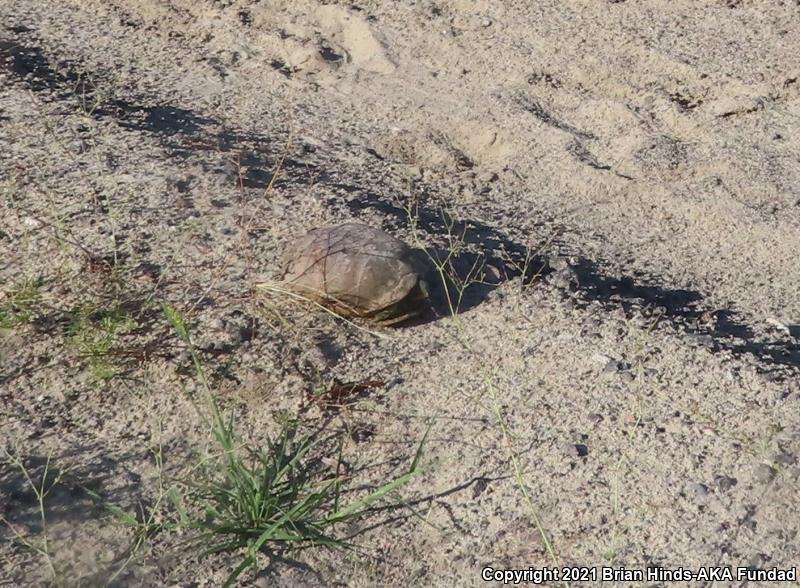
{"x": 252, "y": 500}
{"x": 455, "y": 282}
{"x": 279, "y": 498}
{"x": 93, "y": 333}
{"x": 41, "y": 488}
{"x": 455, "y": 277}
{"x": 41, "y": 481}
{"x": 18, "y": 305}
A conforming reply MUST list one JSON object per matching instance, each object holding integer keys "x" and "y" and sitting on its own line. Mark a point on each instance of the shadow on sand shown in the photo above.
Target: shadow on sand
{"x": 185, "y": 133}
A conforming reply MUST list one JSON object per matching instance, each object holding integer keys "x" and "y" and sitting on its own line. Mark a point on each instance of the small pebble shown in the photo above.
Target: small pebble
{"x": 573, "y": 450}
{"x": 590, "y": 331}
{"x": 699, "y": 490}
{"x": 239, "y": 328}
{"x": 612, "y": 366}
{"x": 750, "y": 524}
{"x": 558, "y": 280}
{"x": 756, "y": 560}
{"x": 763, "y": 473}
{"x": 725, "y": 483}
{"x": 784, "y": 459}
{"x": 602, "y": 358}
{"x": 779, "y": 325}
{"x": 79, "y": 145}
{"x": 414, "y": 171}
{"x": 559, "y": 262}
{"x": 479, "y": 487}
{"x": 314, "y": 359}
{"x": 492, "y": 274}
{"x": 29, "y": 221}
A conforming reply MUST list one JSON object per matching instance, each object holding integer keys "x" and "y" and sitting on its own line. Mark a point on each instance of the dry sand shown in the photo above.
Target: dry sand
{"x": 636, "y": 390}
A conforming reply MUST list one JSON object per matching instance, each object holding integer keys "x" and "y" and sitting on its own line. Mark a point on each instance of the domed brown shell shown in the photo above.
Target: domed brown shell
{"x": 357, "y": 270}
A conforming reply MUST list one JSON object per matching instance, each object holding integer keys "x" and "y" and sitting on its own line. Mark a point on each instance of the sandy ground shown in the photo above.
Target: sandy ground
{"x": 622, "y": 175}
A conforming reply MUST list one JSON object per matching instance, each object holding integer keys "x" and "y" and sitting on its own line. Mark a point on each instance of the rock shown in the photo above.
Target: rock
{"x": 321, "y": 357}
{"x": 492, "y": 274}
{"x": 487, "y": 177}
{"x": 603, "y": 359}
{"x": 784, "y": 459}
{"x": 763, "y": 473}
{"x": 612, "y": 366}
{"x": 239, "y": 328}
{"x": 756, "y": 561}
{"x": 780, "y": 326}
{"x": 31, "y": 222}
{"x": 750, "y": 524}
{"x": 725, "y": 483}
{"x": 563, "y": 275}
{"x": 558, "y": 280}
{"x": 414, "y": 171}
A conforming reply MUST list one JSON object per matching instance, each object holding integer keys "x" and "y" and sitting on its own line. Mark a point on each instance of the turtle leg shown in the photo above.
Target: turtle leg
{"x": 410, "y": 307}
{"x": 390, "y": 321}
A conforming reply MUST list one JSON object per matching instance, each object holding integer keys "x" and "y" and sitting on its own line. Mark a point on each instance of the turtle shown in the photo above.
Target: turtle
{"x": 357, "y": 270}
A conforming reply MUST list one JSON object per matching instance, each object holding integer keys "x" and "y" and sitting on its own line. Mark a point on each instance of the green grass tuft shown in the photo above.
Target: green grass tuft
{"x": 250, "y": 500}
{"x": 93, "y": 333}
{"x": 18, "y": 305}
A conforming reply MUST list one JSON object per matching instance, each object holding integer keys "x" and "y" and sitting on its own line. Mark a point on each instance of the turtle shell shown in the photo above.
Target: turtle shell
{"x": 355, "y": 269}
